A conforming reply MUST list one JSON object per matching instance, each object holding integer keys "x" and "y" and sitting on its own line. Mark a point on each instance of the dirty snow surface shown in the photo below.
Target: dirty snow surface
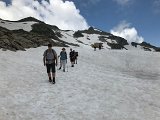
{"x": 104, "y": 85}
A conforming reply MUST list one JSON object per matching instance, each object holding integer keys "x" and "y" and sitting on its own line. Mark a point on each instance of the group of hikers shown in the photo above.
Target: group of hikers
{"x": 50, "y": 60}
{"x": 97, "y": 45}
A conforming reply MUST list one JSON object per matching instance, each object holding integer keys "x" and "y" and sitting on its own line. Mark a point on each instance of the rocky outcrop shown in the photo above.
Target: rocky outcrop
{"x": 91, "y": 30}
{"x": 146, "y": 46}
{"x": 20, "y": 39}
{"x": 41, "y": 35}
{"x": 78, "y": 34}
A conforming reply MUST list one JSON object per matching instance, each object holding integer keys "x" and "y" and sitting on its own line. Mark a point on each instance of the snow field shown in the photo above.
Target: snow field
{"x": 104, "y": 85}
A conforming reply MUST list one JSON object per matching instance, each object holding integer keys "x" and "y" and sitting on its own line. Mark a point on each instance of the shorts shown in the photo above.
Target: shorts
{"x": 72, "y": 59}
{"x": 51, "y": 67}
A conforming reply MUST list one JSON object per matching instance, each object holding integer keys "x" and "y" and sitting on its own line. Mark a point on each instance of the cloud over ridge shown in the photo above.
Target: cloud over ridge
{"x": 64, "y": 14}
{"x": 125, "y": 30}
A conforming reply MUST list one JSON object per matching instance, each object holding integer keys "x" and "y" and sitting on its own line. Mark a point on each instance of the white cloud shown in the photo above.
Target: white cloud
{"x": 156, "y": 5}
{"x": 88, "y": 2}
{"x": 56, "y": 12}
{"x": 123, "y": 2}
{"x": 85, "y": 3}
{"x": 125, "y": 31}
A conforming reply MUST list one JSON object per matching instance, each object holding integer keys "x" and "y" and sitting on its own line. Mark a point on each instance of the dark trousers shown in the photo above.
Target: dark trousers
{"x": 51, "y": 67}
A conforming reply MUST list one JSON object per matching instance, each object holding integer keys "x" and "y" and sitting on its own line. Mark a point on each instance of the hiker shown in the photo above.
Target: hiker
{"x": 63, "y": 59}
{"x": 94, "y": 46}
{"x": 50, "y": 61}
{"x": 72, "y": 57}
{"x": 75, "y": 55}
{"x": 100, "y": 46}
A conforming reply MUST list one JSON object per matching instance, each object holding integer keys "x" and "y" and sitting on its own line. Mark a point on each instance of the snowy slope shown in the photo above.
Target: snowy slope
{"x": 105, "y": 85}
{"x": 90, "y": 39}
{"x": 138, "y": 48}
{"x": 87, "y": 40}
{"x": 26, "y": 26}
{"x": 68, "y": 37}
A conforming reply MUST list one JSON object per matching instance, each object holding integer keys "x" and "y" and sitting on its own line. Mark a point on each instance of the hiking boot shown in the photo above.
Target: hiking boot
{"x": 53, "y": 80}
{"x": 72, "y": 66}
{"x": 59, "y": 68}
{"x": 63, "y": 70}
{"x": 50, "y": 80}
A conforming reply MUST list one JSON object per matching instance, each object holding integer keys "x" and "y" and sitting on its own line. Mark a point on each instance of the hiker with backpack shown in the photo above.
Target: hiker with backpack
{"x": 94, "y": 46}
{"x": 50, "y": 61}
{"x": 72, "y": 57}
{"x": 63, "y": 59}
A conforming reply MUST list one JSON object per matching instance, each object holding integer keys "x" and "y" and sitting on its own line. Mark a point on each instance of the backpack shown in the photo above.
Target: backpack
{"x": 72, "y": 54}
{"x": 76, "y": 54}
{"x": 52, "y": 52}
{"x": 63, "y": 56}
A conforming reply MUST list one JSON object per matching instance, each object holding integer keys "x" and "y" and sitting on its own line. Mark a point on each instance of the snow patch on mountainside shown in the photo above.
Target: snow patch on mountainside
{"x": 87, "y": 40}
{"x": 26, "y": 26}
{"x": 68, "y": 37}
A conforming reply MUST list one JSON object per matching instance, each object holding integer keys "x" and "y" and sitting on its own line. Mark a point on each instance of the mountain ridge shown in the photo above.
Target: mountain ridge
{"x": 28, "y": 31}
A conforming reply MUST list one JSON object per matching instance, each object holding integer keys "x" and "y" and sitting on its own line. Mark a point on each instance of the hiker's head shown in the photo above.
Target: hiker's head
{"x": 49, "y": 46}
{"x": 71, "y": 49}
{"x": 63, "y": 49}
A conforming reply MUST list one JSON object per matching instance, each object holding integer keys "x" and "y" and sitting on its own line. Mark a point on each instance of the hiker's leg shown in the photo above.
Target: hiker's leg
{"x": 71, "y": 60}
{"x": 53, "y": 72}
{"x": 64, "y": 65}
{"x": 48, "y": 71}
{"x": 65, "y": 62}
{"x": 53, "y": 75}
{"x": 60, "y": 64}
{"x": 49, "y": 74}
{"x": 72, "y": 64}
{"x": 53, "y": 69}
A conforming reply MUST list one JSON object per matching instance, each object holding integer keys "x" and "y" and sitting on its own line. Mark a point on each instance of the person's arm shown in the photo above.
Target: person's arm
{"x": 66, "y": 57}
{"x": 56, "y": 59}
{"x": 44, "y": 60}
{"x": 59, "y": 54}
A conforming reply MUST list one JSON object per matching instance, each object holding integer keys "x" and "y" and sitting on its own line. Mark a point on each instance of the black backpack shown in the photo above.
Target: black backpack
{"x": 76, "y": 54}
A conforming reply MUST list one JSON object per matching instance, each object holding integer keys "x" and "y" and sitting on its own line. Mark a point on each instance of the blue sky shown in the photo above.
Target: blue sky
{"x": 143, "y": 15}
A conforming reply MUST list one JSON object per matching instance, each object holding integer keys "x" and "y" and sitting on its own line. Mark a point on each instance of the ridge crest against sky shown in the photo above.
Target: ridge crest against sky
{"x": 141, "y": 16}
{"x": 56, "y": 12}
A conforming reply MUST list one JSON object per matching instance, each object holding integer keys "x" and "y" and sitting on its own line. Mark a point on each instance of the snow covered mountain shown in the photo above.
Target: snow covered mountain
{"x": 30, "y": 32}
